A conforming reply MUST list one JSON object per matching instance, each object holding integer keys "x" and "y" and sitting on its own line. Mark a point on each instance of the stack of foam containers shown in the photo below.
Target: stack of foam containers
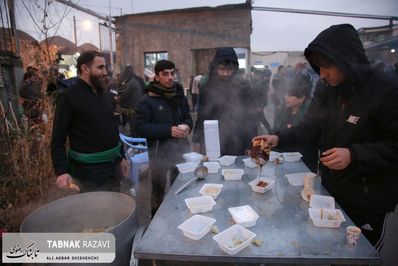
{"x": 212, "y": 139}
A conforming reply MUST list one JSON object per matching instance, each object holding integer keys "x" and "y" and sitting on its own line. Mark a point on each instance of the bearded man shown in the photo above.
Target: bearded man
{"x": 227, "y": 97}
{"x": 84, "y": 116}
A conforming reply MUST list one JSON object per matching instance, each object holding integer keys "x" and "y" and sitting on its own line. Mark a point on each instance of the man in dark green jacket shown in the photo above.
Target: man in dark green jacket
{"x": 354, "y": 117}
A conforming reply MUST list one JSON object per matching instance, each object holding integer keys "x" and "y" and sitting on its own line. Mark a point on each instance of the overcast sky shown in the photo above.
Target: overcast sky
{"x": 272, "y": 31}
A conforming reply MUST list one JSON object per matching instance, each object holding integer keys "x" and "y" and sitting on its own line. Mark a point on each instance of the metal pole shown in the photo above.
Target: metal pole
{"x": 13, "y": 25}
{"x": 110, "y": 39}
{"x": 74, "y": 29}
{"x": 100, "y": 36}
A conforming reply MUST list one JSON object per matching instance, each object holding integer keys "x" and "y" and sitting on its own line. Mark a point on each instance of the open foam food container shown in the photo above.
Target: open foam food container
{"x": 297, "y": 179}
{"x": 322, "y": 202}
{"x": 232, "y": 174}
{"x": 200, "y": 204}
{"x": 197, "y": 226}
{"x": 254, "y": 184}
{"x": 331, "y": 218}
{"x": 227, "y": 160}
{"x": 210, "y": 189}
{"x": 292, "y": 156}
{"x": 187, "y": 167}
{"x": 250, "y": 163}
{"x": 212, "y": 167}
{"x": 323, "y": 213}
{"x": 193, "y": 157}
{"x": 234, "y": 239}
{"x": 244, "y": 215}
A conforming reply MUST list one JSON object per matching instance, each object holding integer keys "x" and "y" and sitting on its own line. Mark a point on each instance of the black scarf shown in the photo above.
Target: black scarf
{"x": 173, "y": 96}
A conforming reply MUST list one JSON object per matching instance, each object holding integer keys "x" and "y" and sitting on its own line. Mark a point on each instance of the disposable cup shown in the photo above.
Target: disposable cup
{"x": 309, "y": 181}
{"x": 353, "y": 234}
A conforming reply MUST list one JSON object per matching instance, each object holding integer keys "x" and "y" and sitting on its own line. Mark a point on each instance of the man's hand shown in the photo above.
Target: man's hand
{"x": 336, "y": 158}
{"x": 272, "y": 140}
{"x": 64, "y": 181}
{"x": 125, "y": 167}
{"x": 178, "y": 132}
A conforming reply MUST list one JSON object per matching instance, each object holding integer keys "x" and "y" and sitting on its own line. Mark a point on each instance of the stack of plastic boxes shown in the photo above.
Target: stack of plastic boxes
{"x": 212, "y": 139}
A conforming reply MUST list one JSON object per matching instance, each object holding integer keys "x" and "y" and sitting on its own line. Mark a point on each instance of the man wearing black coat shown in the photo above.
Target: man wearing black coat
{"x": 162, "y": 116}
{"x": 227, "y": 97}
{"x": 354, "y": 117}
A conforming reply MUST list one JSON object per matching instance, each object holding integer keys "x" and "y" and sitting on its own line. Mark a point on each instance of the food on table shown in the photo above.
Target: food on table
{"x": 262, "y": 183}
{"x": 257, "y": 242}
{"x": 214, "y": 230}
{"x": 211, "y": 190}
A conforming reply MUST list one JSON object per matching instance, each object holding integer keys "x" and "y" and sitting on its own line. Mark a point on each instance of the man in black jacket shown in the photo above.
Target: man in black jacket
{"x": 227, "y": 97}
{"x": 354, "y": 117}
{"x": 162, "y": 116}
{"x": 84, "y": 115}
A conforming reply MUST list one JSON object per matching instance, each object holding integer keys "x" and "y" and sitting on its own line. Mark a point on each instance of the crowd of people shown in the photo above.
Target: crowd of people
{"x": 344, "y": 121}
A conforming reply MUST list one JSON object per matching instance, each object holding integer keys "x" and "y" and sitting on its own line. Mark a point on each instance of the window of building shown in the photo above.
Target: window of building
{"x": 152, "y": 58}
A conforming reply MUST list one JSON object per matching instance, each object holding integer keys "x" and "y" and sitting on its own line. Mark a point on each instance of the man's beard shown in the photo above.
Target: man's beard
{"x": 97, "y": 83}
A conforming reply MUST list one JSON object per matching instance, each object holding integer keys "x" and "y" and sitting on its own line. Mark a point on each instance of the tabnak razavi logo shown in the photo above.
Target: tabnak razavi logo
{"x": 58, "y": 247}
{"x": 31, "y": 251}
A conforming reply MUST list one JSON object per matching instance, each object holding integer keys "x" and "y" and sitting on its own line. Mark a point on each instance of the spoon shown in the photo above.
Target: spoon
{"x": 200, "y": 173}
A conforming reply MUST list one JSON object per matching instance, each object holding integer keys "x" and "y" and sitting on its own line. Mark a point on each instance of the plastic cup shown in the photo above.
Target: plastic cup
{"x": 309, "y": 181}
{"x": 353, "y": 234}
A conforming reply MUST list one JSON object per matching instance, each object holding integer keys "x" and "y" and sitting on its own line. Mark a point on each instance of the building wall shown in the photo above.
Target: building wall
{"x": 179, "y": 32}
{"x": 274, "y": 59}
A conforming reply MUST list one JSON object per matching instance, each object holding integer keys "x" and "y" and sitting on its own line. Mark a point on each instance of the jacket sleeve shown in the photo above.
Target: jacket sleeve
{"x": 381, "y": 155}
{"x": 61, "y": 124}
{"x": 143, "y": 122}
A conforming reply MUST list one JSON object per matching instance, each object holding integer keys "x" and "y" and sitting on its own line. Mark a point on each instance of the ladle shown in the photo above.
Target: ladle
{"x": 200, "y": 173}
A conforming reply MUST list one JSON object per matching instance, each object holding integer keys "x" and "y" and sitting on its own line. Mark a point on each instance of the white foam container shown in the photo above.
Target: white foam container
{"x": 249, "y": 163}
{"x": 324, "y": 202}
{"x": 273, "y": 155}
{"x": 200, "y": 204}
{"x": 297, "y": 179}
{"x": 193, "y": 157}
{"x": 212, "y": 167}
{"x": 188, "y": 167}
{"x": 232, "y": 174}
{"x": 197, "y": 226}
{"x": 244, "y": 215}
{"x": 228, "y": 239}
{"x": 331, "y": 218}
{"x": 227, "y": 160}
{"x": 204, "y": 191}
{"x": 291, "y": 156}
{"x": 258, "y": 189}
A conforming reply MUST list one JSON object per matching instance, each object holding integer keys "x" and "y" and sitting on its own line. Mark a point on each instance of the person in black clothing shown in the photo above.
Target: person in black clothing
{"x": 227, "y": 97}
{"x": 260, "y": 85}
{"x": 84, "y": 115}
{"x": 354, "y": 116}
{"x": 30, "y": 95}
{"x": 129, "y": 92}
{"x": 162, "y": 117}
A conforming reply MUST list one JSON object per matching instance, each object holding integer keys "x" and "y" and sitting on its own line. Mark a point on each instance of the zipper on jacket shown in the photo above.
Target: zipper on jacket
{"x": 365, "y": 187}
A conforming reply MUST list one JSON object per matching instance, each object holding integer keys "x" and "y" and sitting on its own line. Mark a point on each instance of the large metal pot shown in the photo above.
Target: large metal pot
{"x": 77, "y": 213}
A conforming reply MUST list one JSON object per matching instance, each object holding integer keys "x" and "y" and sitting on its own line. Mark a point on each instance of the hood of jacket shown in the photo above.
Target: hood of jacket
{"x": 342, "y": 45}
{"x": 225, "y": 54}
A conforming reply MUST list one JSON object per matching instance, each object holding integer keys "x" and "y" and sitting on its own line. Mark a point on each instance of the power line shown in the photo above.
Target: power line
{"x": 325, "y": 13}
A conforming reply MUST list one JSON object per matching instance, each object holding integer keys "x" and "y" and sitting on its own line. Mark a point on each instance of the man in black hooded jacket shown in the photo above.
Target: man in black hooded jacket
{"x": 162, "y": 116}
{"x": 227, "y": 97}
{"x": 354, "y": 117}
